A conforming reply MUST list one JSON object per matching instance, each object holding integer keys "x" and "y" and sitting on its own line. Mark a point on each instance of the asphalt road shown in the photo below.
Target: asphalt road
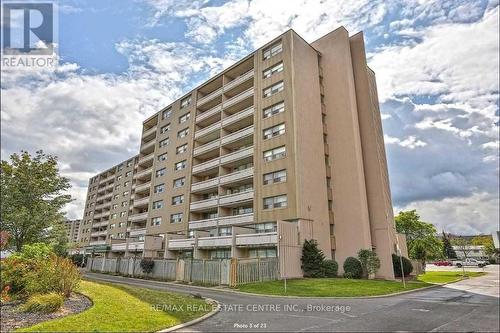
{"x": 469, "y": 305}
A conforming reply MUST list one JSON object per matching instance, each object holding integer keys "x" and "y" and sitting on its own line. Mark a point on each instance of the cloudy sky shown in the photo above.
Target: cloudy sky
{"x": 436, "y": 63}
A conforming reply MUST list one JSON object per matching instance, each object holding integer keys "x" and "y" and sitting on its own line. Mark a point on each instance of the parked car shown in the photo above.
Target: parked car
{"x": 443, "y": 263}
{"x": 470, "y": 262}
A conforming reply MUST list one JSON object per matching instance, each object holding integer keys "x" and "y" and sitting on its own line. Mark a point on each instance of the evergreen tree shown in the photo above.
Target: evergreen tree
{"x": 448, "y": 251}
{"x": 312, "y": 259}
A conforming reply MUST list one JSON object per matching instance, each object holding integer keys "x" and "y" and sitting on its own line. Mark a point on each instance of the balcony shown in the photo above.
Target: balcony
{"x": 206, "y": 147}
{"x": 241, "y": 96}
{"x": 101, "y": 206}
{"x": 201, "y": 224}
{"x": 141, "y": 202}
{"x": 236, "y": 197}
{"x": 267, "y": 238}
{"x": 119, "y": 246}
{"x": 148, "y": 132}
{"x": 209, "y": 113}
{"x": 236, "y": 219}
{"x": 203, "y": 204}
{"x": 138, "y": 217}
{"x": 147, "y": 145}
{"x": 238, "y": 116}
{"x": 99, "y": 224}
{"x": 207, "y": 130}
{"x": 242, "y": 133}
{"x": 237, "y": 155}
{"x": 98, "y": 233}
{"x": 206, "y": 184}
{"x": 107, "y": 179}
{"x": 236, "y": 176}
{"x": 212, "y": 242}
{"x": 209, "y": 97}
{"x": 142, "y": 187}
{"x": 102, "y": 214}
{"x": 98, "y": 242}
{"x": 240, "y": 79}
{"x": 136, "y": 246}
{"x": 206, "y": 165}
{"x": 146, "y": 158}
{"x": 179, "y": 244}
{"x": 137, "y": 232}
{"x": 143, "y": 173}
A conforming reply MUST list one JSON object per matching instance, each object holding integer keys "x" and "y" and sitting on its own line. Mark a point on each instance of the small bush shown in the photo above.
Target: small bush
{"x": 329, "y": 268}
{"x": 78, "y": 259}
{"x": 45, "y": 303}
{"x": 147, "y": 265}
{"x": 353, "y": 268}
{"x": 369, "y": 262}
{"x": 67, "y": 276}
{"x": 312, "y": 259}
{"x": 396, "y": 264}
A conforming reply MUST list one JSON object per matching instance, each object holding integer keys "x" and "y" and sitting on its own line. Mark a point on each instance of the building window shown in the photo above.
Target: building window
{"x": 161, "y": 172}
{"x": 159, "y": 188}
{"x": 125, "y": 193}
{"x": 114, "y": 216}
{"x": 128, "y": 174}
{"x": 272, "y": 50}
{"x": 182, "y": 133}
{"x": 124, "y": 203}
{"x": 121, "y": 224}
{"x": 265, "y": 227}
{"x": 179, "y": 182}
{"x": 117, "y": 187}
{"x": 180, "y": 165}
{"x": 274, "y": 154}
{"x": 162, "y": 157}
{"x": 155, "y": 221}
{"x": 275, "y": 177}
{"x": 123, "y": 214}
{"x": 177, "y": 200}
{"x": 274, "y": 131}
{"x": 185, "y": 102}
{"x": 114, "y": 206}
{"x": 119, "y": 177}
{"x": 120, "y": 167}
{"x": 164, "y": 142}
{"x": 116, "y": 196}
{"x": 242, "y": 210}
{"x": 112, "y": 226}
{"x": 184, "y": 118}
{"x": 274, "y": 89}
{"x": 225, "y": 231}
{"x": 272, "y": 70}
{"x": 129, "y": 163}
{"x": 275, "y": 202}
{"x": 220, "y": 254}
{"x": 176, "y": 218}
{"x": 262, "y": 253}
{"x": 274, "y": 109}
{"x": 166, "y": 113}
{"x": 158, "y": 204}
{"x": 165, "y": 128}
{"x": 181, "y": 149}
{"x": 126, "y": 183}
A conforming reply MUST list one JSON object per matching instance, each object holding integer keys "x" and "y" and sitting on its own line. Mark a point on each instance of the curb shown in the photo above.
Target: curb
{"x": 197, "y": 320}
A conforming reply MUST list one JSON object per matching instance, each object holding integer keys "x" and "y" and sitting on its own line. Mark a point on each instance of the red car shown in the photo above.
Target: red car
{"x": 443, "y": 263}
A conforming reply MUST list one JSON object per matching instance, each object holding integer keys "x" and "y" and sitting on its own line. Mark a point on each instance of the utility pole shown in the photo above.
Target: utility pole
{"x": 401, "y": 263}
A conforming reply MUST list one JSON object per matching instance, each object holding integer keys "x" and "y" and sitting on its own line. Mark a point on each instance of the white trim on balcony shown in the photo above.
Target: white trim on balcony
{"x": 206, "y": 165}
{"x": 200, "y": 224}
{"x": 236, "y": 197}
{"x": 240, "y": 134}
{"x": 98, "y": 233}
{"x": 132, "y": 246}
{"x": 236, "y": 176}
{"x": 258, "y": 239}
{"x": 98, "y": 242}
{"x": 237, "y": 116}
{"x": 141, "y": 202}
{"x": 107, "y": 179}
{"x": 142, "y": 187}
{"x": 240, "y": 79}
{"x": 148, "y": 144}
{"x": 143, "y": 172}
{"x": 146, "y": 158}
{"x": 237, "y": 155}
{"x": 206, "y": 147}
{"x": 137, "y": 232}
{"x": 206, "y": 184}
{"x": 99, "y": 224}
{"x": 236, "y": 219}
{"x": 119, "y": 246}
{"x": 212, "y": 242}
{"x": 180, "y": 243}
{"x": 101, "y": 206}
{"x": 207, "y": 130}
{"x": 138, "y": 217}
{"x": 207, "y": 114}
{"x": 239, "y": 97}
{"x": 203, "y": 204}
{"x": 149, "y": 131}
{"x": 209, "y": 97}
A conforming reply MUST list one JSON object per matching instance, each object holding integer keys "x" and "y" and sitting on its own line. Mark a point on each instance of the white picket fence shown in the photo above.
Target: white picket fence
{"x": 199, "y": 271}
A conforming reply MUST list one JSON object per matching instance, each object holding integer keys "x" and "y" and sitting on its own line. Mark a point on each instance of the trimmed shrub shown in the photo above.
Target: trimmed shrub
{"x": 147, "y": 265}
{"x": 352, "y": 268}
{"x": 329, "y": 268}
{"x": 45, "y": 303}
{"x": 369, "y": 262}
{"x": 312, "y": 259}
{"x": 396, "y": 264}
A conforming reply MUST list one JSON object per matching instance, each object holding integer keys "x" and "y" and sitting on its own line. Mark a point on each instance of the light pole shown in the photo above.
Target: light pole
{"x": 401, "y": 263}
{"x": 282, "y": 254}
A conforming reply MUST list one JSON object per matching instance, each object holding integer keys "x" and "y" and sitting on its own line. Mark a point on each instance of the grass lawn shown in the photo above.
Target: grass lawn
{"x": 122, "y": 308}
{"x": 335, "y": 287}
{"x": 445, "y": 277}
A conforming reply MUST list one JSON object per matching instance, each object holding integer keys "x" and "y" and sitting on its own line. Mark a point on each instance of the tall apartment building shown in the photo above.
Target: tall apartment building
{"x": 72, "y": 230}
{"x": 284, "y": 145}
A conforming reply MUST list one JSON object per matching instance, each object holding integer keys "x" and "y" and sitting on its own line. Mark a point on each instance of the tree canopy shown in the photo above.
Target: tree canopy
{"x": 32, "y": 196}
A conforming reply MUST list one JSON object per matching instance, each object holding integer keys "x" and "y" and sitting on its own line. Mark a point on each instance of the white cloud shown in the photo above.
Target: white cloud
{"x": 410, "y": 142}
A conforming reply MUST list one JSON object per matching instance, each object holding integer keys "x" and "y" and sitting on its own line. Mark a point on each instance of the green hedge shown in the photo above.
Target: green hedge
{"x": 396, "y": 264}
{"x": 329, "y": 268}
{"x": 352, "y": 268}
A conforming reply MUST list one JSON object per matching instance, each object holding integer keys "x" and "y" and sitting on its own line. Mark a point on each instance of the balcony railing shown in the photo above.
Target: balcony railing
{"x": 137, "y": 232}
{"x": 241, "y": 96}
{"x": 238, "y": 175}
{"x": 240, "y": 79}
{"x": 199, "y": 224}
{"x": 209, "y": 97}
{"x": 183, "y": 243}
{"x": 202, "y": 204}
{"x": 143, "y": 173}
{"x": 148, "y": 144}
{"x": 101, "y": 206}
{"x": 209, "y": 183}
{"x": 257, "y": 239}
{"x": 237, "y": 116}
{"x": 237, "y": 155}
{"x": 206, "y": 147}
{"x": 236, "y": 197}
{"x": 211, "y": 242}
{"x": 142, "y": 187}
{"x": 206, "y": 165}
{"x": 236, "y": 219}
{"x": 242, "y": 133}
{"x": 119, "y": 246}
{"x": 149, "y": 131}
{"x": 146, "y": 158}
{"x": 99, "y": 224}
{"x": 139, "y": 245}
{"x": 107, "y": 179}
{"x": 138, "y": 217}
{"x": 207, "y": 130}
{"x": 98, "y": 242}
{"x": 209, "y": 113}
{"x": 98, "y": 233}
{"x": 141, "y": 202}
